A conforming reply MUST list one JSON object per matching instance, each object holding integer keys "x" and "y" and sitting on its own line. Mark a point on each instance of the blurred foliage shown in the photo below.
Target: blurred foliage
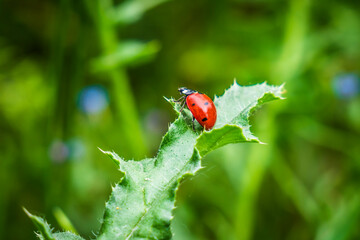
{"x": 77, "y": 75}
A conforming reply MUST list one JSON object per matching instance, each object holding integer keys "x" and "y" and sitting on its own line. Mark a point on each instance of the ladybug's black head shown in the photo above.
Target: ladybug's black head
{"x": 186, "y": 91}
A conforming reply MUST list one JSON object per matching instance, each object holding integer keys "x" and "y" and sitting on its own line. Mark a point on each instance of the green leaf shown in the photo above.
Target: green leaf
{"x": 131, "y": 11}
{"x": 233, "y": 110}
{"x": 42, "y": 226}
{"x": 128, "y": 53}
{"x": 46, "y": 232}
{"x": 67, "y": 236}
{"x": 141, "y": 204}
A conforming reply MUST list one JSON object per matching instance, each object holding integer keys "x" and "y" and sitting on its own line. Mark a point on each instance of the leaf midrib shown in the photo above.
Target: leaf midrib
{"x": 155, "y": 202}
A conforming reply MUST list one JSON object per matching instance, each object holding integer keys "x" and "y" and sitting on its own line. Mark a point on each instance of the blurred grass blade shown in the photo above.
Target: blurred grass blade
{"x": 127, "y": 53}
{"x": 320, "y": 134}
{"x": 344, "y": 221}
{"x": 131, "y": 11}
{"x": 63, "y": 220}
{"x": 124, "y": 100}
{"x": 292, "y": 54}
{"x": 296, "y": 190}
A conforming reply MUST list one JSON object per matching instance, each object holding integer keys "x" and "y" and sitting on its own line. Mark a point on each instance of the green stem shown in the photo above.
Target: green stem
{"x": 292, "y": 54}
{"x": 295, "y": 189}
{"x": 250, "y": 183}
{"x": 63, "y": 220}
{"x": 286, "y": 68}
{"x": 55, "y": 75}
{"x": 121, "y": 91}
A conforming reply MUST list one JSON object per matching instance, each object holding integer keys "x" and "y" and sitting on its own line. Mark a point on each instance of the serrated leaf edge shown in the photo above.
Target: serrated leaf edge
{"x": 179, "y": 177}
{"x": 44, "y": 228}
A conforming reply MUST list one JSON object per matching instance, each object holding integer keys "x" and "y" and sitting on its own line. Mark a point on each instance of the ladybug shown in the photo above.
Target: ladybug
{"x": 201, "y": 106}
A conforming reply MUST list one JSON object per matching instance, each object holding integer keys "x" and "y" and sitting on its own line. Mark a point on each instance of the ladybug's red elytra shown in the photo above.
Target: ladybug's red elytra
{"x": 201, "y": 106}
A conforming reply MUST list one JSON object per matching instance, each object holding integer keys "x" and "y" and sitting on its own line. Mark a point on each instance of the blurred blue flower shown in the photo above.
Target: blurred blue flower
{"x": 77, "y": 149}
{"x": 346, "y": 85}
{"x": 58, "y": 151}
{"x": 93, "y": 99}
{"x": 156, "y": 121}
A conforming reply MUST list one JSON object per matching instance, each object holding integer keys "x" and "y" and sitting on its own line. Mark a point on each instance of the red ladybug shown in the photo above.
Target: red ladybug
{"x": 201, "y": 107}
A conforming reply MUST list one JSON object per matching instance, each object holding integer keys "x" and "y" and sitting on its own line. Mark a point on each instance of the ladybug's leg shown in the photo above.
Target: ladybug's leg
{"x": 180, "y": 99}
{"x": 182, "y": 107}
{"x": 193, "y": 125}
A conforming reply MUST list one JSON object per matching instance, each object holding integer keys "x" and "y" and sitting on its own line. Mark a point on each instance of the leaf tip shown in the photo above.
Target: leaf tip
{"x": 282, "y": 91}
{"x": 45, "y": 232}
{"x": 113, "y": 156}
{"x": 27, "y": 212}
{"x": 102, "y": 150}
{"x": 173, "y": 103}
{"x": 170, "y": 100}
{"x": 235, "y": 82}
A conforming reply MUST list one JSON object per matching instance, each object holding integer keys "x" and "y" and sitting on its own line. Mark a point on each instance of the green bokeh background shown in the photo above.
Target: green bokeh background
{"x": 303, "y": 184}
